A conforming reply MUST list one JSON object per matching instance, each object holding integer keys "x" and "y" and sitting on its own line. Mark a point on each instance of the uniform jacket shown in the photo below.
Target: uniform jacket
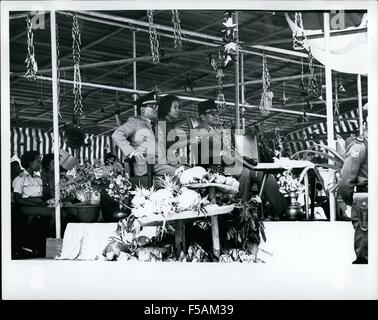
{"x": 355, "y": 169}
{"x": 137, "y": 134}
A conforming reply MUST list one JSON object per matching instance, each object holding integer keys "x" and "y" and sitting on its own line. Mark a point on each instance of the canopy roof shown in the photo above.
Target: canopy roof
{"x": 106, "y": 36}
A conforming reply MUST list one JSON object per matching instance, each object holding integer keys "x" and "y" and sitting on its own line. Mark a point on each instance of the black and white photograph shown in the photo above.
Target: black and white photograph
{"x": 183, "y": 150}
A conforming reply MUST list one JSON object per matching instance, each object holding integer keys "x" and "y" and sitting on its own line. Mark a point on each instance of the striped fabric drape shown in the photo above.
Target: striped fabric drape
{"x": 301, "y": 139}
{"x": 24, "y": 139}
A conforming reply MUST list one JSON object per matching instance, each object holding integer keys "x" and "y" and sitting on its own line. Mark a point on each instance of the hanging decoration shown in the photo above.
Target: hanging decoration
{"x": 13, "y": 111}
{"x": 177, "y": 29}
{"x": 217, "y": 65}
{"x": 266, "y": 102}
{"x": 312, "y": 86}
{"x": 229, "y": 37}
{"x": 76, "y": 43}
{"x": 337, "y": 105}
{"x": 298, "y": 39}
{"x": 341, "y": 87}
{"x": 284, "y": 98}
{"x": 189, "y": 84}
{"x": 31, "y": 63}
{"x": 154, "y": 42}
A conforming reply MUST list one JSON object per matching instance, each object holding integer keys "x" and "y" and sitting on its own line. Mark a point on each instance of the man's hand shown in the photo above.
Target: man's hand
{"x": 138, "y": 155}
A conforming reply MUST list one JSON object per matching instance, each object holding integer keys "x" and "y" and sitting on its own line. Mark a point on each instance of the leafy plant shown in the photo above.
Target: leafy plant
{"x": 247, "y": 229}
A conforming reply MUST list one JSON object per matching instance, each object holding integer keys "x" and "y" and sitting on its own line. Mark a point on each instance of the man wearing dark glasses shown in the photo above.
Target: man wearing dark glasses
{"x": 137, "y": 138}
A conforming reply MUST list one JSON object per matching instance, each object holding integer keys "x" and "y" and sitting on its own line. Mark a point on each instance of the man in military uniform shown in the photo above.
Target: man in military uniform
{"x": 208, "y": 115}
{"x": 353, "y": 189}
{"x": 136, "y": 138}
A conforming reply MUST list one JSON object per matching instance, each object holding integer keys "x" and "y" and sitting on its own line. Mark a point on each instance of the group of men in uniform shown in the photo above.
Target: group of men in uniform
{"x": 140, "y": 137}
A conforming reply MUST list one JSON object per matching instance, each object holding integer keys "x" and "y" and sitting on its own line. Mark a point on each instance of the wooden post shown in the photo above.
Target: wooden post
{"x": 330, "y": 129}
{"x": 359, "y": 90}
{"x": 55, "y": 122}
{"x": 214, "y": 225}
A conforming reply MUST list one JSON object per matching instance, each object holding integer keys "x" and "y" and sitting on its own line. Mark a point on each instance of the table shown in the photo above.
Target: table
{"x": 181, "y": 218}
{"x": 287, "y": 164}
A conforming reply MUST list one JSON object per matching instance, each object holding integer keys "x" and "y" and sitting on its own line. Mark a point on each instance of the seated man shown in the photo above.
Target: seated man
{"x": 208, "y": 113}
{"x": 136, "y": 138}
{"x": 209, "y": 118}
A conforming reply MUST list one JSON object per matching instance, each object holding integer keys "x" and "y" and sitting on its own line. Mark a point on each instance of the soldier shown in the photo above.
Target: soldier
{"x": 353, "y": 189}
{"x": 209, "y": 119}
{"x": 136, "y": 138}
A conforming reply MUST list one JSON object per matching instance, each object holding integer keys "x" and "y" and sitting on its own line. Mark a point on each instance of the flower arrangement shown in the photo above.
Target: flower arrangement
{"x": 171, "y": 198}
{"x": 88, "y": 179}
{"x": 289, "y": 184}
{"x": 116, "y": 183}
{"x": 81, "y": 181}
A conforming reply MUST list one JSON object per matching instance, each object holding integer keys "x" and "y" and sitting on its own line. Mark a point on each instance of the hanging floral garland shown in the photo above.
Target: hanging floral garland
{"x": 298, "y": 40}
{"x": 266, "y": 102}
{"x": 230, "y": 33}
{"x": 76, "y": 43}
{"x": 31, "y": 63}
{"x": 177, "y": 29}
{"x": 154, "y": 42}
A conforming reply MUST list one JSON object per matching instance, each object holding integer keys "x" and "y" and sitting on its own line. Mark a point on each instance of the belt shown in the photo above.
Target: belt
{"x": 361, "y": 188}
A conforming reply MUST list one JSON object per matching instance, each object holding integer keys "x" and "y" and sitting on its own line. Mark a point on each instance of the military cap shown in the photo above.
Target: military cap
{"x": 207, "y": 105}
{"x": 149, "y": 98}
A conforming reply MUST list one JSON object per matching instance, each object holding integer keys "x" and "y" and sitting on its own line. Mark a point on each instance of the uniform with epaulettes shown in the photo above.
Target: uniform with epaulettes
{"x": 353, "y": 189}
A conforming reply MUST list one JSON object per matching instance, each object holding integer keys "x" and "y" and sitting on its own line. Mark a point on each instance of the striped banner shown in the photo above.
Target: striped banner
{"x": 95, "y": 148}
{"x": 347, "y": 124}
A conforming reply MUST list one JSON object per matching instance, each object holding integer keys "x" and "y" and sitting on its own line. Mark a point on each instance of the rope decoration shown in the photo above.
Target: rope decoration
{"x": 154, "y": 42}
{"x": 266, "y": 102}
{"x": 218, "y": 65}
{"x": 177, "y": 29}
{"x": 298, "y": 40}
{"x": 78, "y": 112}
{"x": 312, "y": 86}
{"x": 31, "y": 63}
{"x": 13, "y": 111}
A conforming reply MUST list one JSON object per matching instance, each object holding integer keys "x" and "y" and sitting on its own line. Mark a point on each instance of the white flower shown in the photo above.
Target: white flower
{"x": 139, "y": 212}
{"x": 111, "y": 185}
{"x": 138, "y": 201}
{"x": 149, "y": 207}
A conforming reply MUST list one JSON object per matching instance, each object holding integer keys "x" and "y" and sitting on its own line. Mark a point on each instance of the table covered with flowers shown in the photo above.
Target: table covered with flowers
{"x": 194, "y": 196}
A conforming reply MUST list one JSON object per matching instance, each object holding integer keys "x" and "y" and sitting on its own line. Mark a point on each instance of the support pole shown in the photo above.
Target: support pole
{"x": 360, "y": 118}
{"x": 237, "y": 87}
{"x": 134, "y": 73}
{"x": 55, "y": 122}
{"x": 330, "y": 132}
{"x": 242, "y": 87}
